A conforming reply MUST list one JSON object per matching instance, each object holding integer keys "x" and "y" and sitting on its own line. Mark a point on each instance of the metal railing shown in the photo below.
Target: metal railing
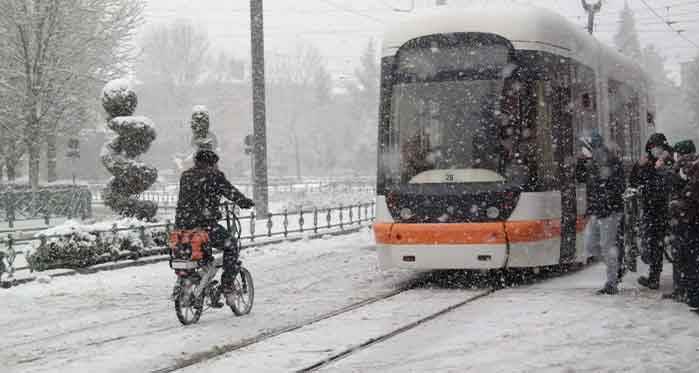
{"x": 282, "y": 224}
{"x": 166, "y": 194}
{"x": 20, "y": 204}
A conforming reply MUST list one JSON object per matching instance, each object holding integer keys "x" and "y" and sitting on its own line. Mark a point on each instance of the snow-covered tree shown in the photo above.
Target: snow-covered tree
{"x": 653, "y": 62}
{"x": 626, "y": 38}
{"x": 692, "y": 98}
{"x": 365, "y": 97}
{"x": 175, "y": 56}
{"x": 121, "y": 156}
{"x": 59, "y": 49}
{"x": 299, "y": 88}
{"x": 179, "y": 71}
{"x": 11, "y": 136}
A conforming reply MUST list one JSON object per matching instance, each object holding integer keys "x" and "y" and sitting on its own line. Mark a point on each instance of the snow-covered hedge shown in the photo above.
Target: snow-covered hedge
{"x": 76, "y": 245}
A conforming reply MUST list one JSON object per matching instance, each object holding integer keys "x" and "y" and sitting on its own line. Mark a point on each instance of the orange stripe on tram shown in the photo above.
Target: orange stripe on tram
{"x": 470, "y": 233}
{"x": 440, "y": 234}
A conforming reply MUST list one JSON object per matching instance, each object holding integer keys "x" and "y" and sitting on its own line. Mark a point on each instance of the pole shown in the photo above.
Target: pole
{"x": 591, "y": 11}
{"x": 252, "y": 171}
{"x": 258, "y": 108}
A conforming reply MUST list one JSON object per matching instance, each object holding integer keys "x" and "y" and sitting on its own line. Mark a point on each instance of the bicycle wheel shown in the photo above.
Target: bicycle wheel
{"x": 187, "y": 308}
{"x": 243, "y": 294}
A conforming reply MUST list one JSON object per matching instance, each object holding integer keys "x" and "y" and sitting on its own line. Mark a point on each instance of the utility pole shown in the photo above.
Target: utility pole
{"x": 258, "y": 108}
{"x": 591, "y": 11}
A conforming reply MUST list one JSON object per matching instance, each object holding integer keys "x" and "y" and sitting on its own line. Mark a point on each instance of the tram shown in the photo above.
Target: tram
{"x": 481, "y": 114}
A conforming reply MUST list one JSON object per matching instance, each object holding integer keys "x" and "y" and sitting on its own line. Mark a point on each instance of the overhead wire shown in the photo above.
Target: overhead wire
{"x": 669, "y": 24}
{"x": 352, "y": 11}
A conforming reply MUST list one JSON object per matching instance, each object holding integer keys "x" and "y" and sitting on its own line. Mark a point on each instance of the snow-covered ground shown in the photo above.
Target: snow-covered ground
{"x": 123, "y": 321}
{"x": 555, "y": 326}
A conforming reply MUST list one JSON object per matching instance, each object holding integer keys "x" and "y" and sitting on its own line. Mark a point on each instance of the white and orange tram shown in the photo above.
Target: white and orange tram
{"x": 480, "y": 114}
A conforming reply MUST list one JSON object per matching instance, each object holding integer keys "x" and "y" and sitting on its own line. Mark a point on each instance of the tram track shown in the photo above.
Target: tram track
{"x": 279, "y": 339}
{"x": 225, "y": 349}
{"x": 386, "y": 336}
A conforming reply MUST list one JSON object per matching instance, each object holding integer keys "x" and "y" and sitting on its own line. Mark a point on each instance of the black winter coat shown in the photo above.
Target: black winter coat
{"x": 605, "y": 183}
{"x": 201, "y": 190}
{"x": 655, "y": 186}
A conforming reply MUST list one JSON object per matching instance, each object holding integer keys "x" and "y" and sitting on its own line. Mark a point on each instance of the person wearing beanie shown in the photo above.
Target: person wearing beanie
{"x": 652, "y": 177}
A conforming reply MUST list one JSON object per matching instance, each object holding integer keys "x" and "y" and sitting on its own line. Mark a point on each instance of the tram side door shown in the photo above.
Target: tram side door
{"x": 563, "y": 134}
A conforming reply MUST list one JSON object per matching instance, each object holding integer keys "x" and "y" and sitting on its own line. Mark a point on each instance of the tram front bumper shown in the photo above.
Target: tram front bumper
{"x": 480, "y": 256}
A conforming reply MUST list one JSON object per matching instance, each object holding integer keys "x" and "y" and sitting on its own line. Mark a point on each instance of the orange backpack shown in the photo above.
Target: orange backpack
{"x": 180, "y": 240}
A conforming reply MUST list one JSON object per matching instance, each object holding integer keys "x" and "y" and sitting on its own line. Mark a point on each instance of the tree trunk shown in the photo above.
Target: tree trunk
{"x": 32, "y": 138}
{"x": 3, "y": 155}
{"x": 298, "y": 155}
{"x": 11, "y": 163}
{"x": 51, "y": 163}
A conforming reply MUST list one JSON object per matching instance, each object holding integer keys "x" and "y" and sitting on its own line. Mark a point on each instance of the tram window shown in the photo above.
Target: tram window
{"x": 585, "y": 100}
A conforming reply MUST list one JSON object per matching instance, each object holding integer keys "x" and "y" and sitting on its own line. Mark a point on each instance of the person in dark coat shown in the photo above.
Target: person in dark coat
{"x": 685, "y": 209}
{"x": 603, "y": 174}
{"x": 652, "y": 176}
{"x": 682, "y": 230}
{"x": 198, "y": 207}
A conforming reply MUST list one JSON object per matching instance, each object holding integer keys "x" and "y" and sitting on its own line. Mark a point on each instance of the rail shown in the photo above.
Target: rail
{"x": 281, "y": 224}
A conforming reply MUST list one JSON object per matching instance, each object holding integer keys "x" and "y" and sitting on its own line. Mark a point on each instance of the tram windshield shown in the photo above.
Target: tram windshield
{"x": 450, "y": 111}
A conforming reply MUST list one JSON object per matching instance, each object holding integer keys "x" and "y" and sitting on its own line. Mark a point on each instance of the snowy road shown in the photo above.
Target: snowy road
{"x": 123, "y": 321}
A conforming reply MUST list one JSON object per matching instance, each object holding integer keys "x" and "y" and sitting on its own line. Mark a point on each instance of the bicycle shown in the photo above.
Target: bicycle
{"x": 192, "y": 259}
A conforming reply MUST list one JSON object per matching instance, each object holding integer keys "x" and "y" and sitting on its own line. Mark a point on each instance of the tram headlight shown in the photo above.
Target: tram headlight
{"x": 492, "y": 212}
{"x": 406, "y": 214}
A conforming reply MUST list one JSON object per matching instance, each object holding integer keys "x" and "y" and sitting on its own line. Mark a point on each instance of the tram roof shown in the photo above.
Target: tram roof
{"x": 526, "y": 26}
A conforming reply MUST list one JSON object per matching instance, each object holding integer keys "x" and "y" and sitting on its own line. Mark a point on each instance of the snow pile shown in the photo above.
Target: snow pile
{"x": 73, "y": 244}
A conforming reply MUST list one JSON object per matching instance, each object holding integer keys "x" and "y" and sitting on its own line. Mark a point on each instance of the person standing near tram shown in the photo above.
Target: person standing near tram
{"x": 603, "y": 173}
{"x": 652, "y": 176}
{"x": 684, "y": 232}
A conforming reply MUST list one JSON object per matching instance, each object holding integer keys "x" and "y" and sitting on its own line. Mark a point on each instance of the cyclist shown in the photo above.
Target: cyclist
{"x": 201, "y": 189}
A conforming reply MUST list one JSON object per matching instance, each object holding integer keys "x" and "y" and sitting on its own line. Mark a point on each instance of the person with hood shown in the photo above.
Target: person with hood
{"x": 603, "y": 173}
{"x": 682, "y": 230}
{"x": 652, "y": 177}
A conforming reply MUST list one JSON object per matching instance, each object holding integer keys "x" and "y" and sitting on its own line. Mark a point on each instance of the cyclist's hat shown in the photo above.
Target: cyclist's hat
{"x": 206, "y": 157}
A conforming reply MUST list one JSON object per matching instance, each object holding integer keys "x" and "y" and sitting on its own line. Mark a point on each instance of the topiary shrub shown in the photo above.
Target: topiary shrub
{"x": 120, "y": 156}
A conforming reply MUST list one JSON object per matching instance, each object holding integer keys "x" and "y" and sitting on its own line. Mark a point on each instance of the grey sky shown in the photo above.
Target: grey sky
{"x": 341, "y": 28}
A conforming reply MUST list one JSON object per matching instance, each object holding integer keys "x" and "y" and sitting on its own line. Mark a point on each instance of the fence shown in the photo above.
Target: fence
{"x": 338, "y": 218}
{"x": 20, "y": 204}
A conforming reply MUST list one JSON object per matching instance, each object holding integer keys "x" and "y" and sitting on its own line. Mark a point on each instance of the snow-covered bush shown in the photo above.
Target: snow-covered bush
{"x": 120, "y": 156}
{"x": 79, "y": 245}
{"x": 202, "y": 137}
